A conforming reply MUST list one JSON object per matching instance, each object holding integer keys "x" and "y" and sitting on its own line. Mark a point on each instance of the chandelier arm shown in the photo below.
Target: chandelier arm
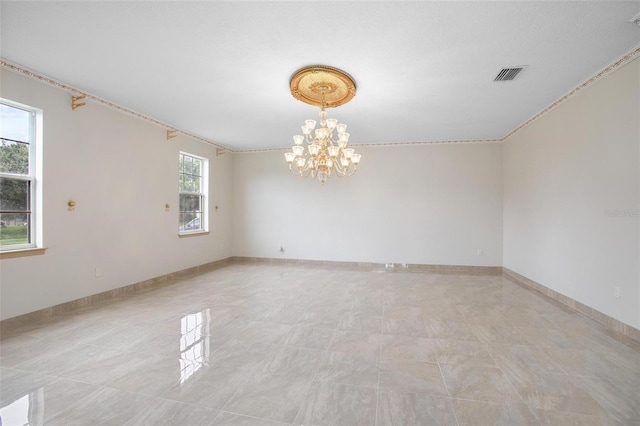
{"x": 310, "y": 160}
{"x": 343, "y": 169}
{"x": 348, "y": 171}
{"x": 301, "y": 173}
{"x": 345, "y": 172}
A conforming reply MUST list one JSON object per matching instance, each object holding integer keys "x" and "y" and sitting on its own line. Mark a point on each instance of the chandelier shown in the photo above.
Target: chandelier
{"x": 326, "y": 150}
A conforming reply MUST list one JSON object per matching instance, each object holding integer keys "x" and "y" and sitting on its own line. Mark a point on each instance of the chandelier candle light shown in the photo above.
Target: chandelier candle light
{"x": 326, "y": 150}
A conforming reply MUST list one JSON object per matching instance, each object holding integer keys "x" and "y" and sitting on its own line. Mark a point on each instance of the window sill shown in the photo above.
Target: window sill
{"x": 193, "y": 234}
{"x": 36, "y": 251}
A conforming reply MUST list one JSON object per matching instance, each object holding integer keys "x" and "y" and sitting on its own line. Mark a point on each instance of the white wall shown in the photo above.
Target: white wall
{"x": 428, "y": 204}
{"x": 121, "y": 171}
{"x": 546, "y": 189}
{"x": 561, "y": 174}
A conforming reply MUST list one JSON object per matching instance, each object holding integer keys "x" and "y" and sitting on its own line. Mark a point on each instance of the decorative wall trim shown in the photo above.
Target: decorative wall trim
{"x": 606, "y": 320}
{"x": 436, "y": 142}
{"x": 76, "y": 92}
{"x": 387, "y": 144}
{"x": 625, "y": 59}
{"x": 13, "y": 325}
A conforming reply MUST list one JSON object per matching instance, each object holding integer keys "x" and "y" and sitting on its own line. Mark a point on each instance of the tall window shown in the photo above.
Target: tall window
{"x": 192, "y": 181}
{"x": 18, "y": 184}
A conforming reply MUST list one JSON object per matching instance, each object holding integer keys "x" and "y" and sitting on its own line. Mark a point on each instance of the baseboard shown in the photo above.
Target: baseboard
{"x": 119, "y": 293}
{"x": 372, "y": 266}
{"x": 604, "y": 319}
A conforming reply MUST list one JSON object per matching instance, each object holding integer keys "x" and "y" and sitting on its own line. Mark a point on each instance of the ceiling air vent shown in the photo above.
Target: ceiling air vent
{"x": 508, "y": 74}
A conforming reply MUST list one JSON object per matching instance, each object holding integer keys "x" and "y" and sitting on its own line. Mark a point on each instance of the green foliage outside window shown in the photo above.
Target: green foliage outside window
{"x": 15, "y": 180}
{"x": 191, "y": 198}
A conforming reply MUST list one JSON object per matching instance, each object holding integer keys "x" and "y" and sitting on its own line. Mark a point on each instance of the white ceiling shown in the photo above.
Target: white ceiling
{"x": 220, "y": 70}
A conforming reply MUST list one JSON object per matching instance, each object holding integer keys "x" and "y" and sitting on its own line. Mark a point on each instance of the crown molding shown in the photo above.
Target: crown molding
{"x": 623, "y": 60}
{"x": 77, "y": 92}
{"x": 388, "y": 144}
{"x": 613, "y": 66}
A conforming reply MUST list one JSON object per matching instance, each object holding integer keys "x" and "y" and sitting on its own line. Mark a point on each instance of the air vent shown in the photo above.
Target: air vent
{"x": 508, "y": 74}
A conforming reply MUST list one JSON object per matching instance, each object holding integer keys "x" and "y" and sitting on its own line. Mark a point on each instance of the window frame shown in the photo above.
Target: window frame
{"x": 34, "y": 177}
{"x": 203, "y": 194}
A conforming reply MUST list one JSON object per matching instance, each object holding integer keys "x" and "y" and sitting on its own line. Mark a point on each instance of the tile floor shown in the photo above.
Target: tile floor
{"x": 260, "y": 344}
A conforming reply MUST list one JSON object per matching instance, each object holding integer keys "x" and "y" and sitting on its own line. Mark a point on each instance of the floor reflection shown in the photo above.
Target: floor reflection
{"x": 194, "y": 343}
{"x": 25, "y": 411}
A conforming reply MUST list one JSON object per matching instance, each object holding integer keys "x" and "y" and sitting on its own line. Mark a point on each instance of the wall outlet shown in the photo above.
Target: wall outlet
{"x": 98, "y": 272}
{"x": 616, "y": 292}
{"x": 480, "y": 252}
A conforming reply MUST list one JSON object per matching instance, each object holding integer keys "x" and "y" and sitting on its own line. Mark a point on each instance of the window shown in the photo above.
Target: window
{"x": 192, "y": 180}
{"x": 19, "y": 186}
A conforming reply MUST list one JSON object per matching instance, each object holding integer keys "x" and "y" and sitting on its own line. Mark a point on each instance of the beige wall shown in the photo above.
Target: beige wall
{"x": 572, "y": 193}
{"x": 428, "y": 204}
{"x": 121, "y": 171}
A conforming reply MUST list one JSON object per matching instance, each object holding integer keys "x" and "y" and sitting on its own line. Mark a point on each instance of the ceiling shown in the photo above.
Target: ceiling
{"x": 220, "y": 70}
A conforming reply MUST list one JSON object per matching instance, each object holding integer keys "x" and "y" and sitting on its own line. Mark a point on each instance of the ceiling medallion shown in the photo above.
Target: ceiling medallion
{"x": 309, "y": 84}
{"x": 326, "y": 150}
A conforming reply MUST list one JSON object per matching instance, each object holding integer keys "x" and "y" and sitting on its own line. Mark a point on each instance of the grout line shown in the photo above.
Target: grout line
{"x": 380, "y": 360}
{"x": 506, "y": 376}
{"x": 444, "y": 382}
{"x": 346, "y": 384}
{"x": 251, "y": 417}
{"x": 446, "y": 388}
{"x": 315, "y": 373}
{"x": 197, "y": 287}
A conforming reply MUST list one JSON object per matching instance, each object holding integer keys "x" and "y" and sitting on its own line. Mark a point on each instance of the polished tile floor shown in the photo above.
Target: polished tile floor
{"x": 253, "y": 344}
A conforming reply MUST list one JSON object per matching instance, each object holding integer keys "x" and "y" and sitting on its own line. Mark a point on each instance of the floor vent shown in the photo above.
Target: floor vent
{"x": 508, "y": 74}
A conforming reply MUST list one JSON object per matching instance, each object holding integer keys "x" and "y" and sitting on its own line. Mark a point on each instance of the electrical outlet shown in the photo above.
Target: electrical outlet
{"x": 616, "y": 292}
{"x": 98, "y": 272}
{"x": 480, "y": 252}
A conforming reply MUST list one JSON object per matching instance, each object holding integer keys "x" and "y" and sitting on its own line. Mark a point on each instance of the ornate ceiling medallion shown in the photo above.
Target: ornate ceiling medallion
{"x": 326, "y": 152}
{"x": 316, "y": 84}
